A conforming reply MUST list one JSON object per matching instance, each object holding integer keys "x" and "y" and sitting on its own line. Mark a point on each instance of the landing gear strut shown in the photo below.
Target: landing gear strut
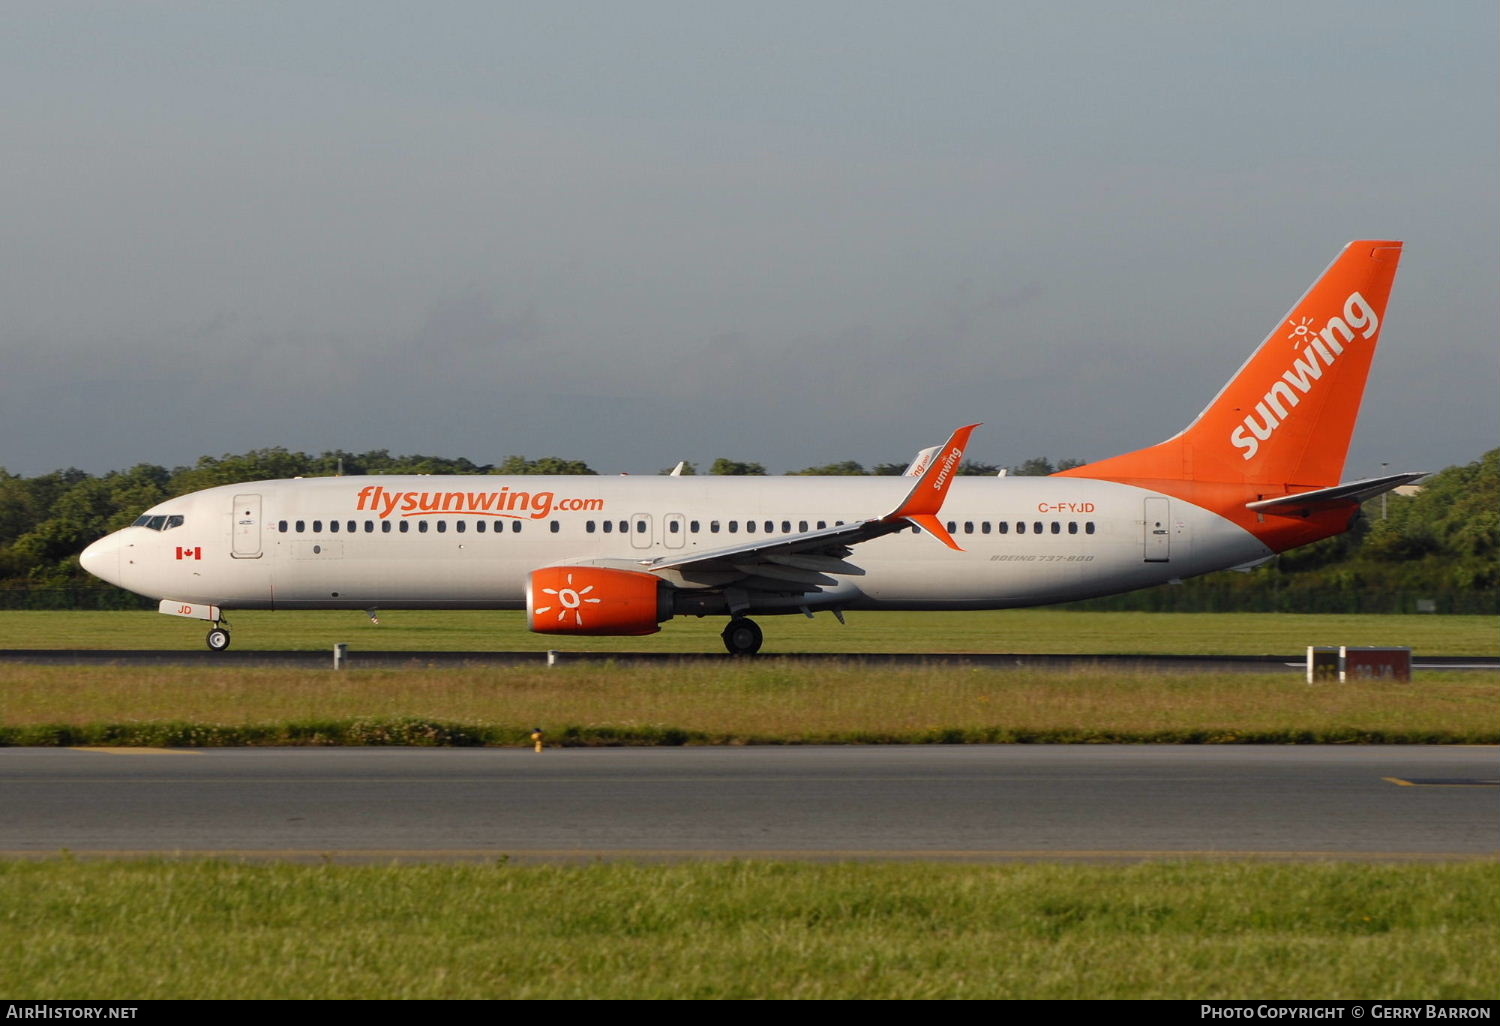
{"x": 742, "y": 637}
{"x": 218, "y": 638}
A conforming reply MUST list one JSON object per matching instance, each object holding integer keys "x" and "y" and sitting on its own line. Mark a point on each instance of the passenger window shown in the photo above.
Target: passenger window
{"x": 1088, "y": 528}
{"x": 674, "y": 527}
{"x": 405, "y": 526}
{"x": 479, "y": 526}
{"x": 1056, "y": 527}
{"x": 1021, "y": 527}
{"x": 822, "y": 524}
{"x": 460, "y": 525}
{"x": 734, "y": 527}
{"x": 442, "y": 527}
{"x": 421, "y": 527}
{"x": 369, "y": 527}
{"x": 555, "y": 526}
{"x": 385, "y": 527}
{"x": 317, "y": 527}
{"x": 770, "y": 527}
{"x": 1036, "y": 527}
{"x": 749, "y": 526}
{"x": 515, "y": 527}
{"x": 640, "y": 527}
{"x": 589, "y": 526}
{"x": 281, "y": 526}
{"x": 802, "y": 526}
{"x": 333, "y": 527}
{"x": 713, "y": 527}
{"x": 968, "y": 527}
{"x": 1072, "y": 527}
{"x": 1003, "y": 527}
{"x": 693, "y": 526}
{"x": 301, "y": 526}
{"x": 786, "y": 527}
{"x": 984, "y": 527}
{"x": 951, "y": 526}
{"x": 609, "y": 525}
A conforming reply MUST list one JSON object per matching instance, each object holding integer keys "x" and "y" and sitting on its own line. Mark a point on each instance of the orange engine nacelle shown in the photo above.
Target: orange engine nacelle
{"x": 594, "y": 600}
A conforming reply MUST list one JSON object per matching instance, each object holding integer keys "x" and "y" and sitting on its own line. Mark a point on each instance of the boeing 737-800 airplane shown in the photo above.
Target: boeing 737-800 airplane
{"x": 1256, "y": 473}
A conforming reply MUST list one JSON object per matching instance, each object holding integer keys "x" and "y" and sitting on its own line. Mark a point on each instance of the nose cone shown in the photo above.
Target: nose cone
{"x": 102, "y": 559}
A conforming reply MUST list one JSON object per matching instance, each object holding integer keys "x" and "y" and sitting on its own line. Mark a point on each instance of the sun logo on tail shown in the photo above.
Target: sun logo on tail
{"x": 1300, "y": 332}
{"x": 569, "y": 600}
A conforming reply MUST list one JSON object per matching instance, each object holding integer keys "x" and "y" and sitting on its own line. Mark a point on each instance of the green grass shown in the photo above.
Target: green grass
{"x": 217, "y": 930}
{"x": 1020, "y": 630}
{"x": 725, "y": 701}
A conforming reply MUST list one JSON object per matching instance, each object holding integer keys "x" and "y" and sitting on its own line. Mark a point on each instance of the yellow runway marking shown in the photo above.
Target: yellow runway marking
{"x": 1444, "y": 782}
{"x": 137, "y": 751}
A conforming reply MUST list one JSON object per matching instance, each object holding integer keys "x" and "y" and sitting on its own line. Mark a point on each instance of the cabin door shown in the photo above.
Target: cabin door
{"x": 640, "y": 531}
{"x": 246, "y": 529}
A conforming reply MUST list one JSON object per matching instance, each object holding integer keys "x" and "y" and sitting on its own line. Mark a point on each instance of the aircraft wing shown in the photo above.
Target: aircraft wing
{"x": 802, "y": 562}
{"x": 1304, "y": 503}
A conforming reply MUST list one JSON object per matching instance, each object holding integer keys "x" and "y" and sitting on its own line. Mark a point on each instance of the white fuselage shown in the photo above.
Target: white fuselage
{"x": 470, "y": 542}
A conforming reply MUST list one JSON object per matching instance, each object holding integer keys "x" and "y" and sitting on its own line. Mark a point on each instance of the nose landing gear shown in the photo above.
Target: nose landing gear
{"x": 218, "y": 638}
{"x": 742, "y": 637}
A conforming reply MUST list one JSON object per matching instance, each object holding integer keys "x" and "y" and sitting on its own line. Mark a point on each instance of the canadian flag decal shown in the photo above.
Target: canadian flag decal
{"x": 196, "y": 552}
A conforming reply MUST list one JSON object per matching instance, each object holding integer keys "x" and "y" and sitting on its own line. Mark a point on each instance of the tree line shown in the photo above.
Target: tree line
{"x": 1435, "y": 549}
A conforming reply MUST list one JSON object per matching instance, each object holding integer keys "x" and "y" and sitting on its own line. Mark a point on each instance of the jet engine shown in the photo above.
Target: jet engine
{"x": 595, "y": 600}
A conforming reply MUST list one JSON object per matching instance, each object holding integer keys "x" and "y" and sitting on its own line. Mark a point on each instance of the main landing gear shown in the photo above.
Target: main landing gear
{"x": 742, "y": 637}
{"x": 218, "y": 638}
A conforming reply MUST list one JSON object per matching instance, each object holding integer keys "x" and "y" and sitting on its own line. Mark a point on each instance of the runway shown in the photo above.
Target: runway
{"x": 357, "y": 659}
{"x": 970, "y": 803}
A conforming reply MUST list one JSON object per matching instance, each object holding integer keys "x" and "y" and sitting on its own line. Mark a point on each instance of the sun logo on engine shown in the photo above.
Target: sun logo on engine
{"x": 1300, "y": 331}
{"x": 569, "y": 600}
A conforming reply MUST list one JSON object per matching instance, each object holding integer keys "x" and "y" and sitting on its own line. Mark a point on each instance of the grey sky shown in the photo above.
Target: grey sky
{"x": 632, "y": 233}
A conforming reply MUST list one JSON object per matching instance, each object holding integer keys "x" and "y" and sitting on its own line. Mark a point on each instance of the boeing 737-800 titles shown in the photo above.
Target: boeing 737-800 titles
{"x": 1256, "y": 473}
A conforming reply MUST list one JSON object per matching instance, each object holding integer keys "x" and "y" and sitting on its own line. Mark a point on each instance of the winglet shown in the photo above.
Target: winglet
{"x": 921, "y": 462}
{"x": 925, "y": 500}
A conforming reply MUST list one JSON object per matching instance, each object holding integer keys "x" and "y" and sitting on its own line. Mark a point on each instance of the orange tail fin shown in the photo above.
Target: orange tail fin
{"x": 1286, "y": 418}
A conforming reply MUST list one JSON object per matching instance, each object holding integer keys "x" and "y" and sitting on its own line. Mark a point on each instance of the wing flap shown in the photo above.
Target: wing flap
{"x": 807, "y": 578}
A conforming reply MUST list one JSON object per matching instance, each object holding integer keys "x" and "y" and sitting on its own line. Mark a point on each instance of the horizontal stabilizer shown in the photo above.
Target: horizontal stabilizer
{"x": 1304, "y": 503}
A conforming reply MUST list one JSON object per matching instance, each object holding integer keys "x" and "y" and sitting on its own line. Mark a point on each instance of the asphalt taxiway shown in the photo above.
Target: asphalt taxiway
{"x": 972, "y": 803}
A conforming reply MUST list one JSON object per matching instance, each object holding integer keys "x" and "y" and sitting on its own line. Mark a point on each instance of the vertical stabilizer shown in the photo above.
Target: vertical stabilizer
{"x": 1284, "y": 421}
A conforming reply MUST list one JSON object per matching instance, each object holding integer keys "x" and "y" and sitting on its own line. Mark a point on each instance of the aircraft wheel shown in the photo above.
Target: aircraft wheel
{"x": 218, "y": 639}
{"x": 742, "y": 636}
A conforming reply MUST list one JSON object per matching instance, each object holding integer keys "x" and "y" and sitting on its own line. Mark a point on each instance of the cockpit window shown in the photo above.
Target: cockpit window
{"x": 158, "y": 522}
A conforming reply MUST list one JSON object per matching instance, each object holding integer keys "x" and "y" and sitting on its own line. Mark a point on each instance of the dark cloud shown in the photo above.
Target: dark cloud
{"x": 794, "y": 234}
